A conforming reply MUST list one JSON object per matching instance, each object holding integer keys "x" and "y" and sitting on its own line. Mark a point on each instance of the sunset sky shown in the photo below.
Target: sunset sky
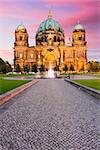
{"x": 32, "y": 12}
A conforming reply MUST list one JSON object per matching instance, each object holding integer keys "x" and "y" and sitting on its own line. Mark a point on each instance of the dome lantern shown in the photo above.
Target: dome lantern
{"x": 49, "y": 14}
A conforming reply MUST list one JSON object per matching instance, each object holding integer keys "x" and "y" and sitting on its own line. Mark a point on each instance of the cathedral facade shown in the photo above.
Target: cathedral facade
{"x": 51, "y": 49}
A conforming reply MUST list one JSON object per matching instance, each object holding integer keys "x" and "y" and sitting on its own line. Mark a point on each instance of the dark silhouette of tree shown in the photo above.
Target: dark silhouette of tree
{"x": 5, "y": 67}
{"x": 56, "y": 68}
{"x": 26, "y": 68}
{"x": 93, "y": 66}
{"x": 34, "y": 68}
{"x": 72, "y": 67}
{"x": 17, "y": 68}
{"x": 42, "y": 69}
{"x": 8, "y": 67}
{"x": 65, "y": 68}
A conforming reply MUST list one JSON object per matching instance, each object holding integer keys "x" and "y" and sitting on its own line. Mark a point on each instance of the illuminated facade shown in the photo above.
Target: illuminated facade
{"x": 51, "y": 48}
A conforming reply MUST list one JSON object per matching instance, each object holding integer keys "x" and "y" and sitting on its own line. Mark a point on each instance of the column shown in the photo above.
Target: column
{"x": 61, "y": 56}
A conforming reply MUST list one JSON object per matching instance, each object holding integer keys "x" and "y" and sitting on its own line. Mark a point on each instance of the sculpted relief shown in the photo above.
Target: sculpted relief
{"x": 80, "y": 53}
{"x": 68, "y": 54}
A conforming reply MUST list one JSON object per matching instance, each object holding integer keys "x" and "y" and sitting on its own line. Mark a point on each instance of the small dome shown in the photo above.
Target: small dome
{"x": 21, "y": 27}
{"x": 79, "y": 27}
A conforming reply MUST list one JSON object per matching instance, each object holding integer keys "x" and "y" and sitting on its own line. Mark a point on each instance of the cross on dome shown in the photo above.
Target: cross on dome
{"x": 49, "y": 14}
{"x": 78, "y": 22}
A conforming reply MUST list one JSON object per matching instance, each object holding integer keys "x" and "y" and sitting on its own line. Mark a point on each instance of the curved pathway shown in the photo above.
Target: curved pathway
{"x": 52, "y": 115}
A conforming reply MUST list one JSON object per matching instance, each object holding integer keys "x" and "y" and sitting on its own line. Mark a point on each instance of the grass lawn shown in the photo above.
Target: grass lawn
{"x": 16, "y": 75}
{"x": 93, "y": 83}
{"x": 7, "y": 85}
{"x": 96, "y": 74}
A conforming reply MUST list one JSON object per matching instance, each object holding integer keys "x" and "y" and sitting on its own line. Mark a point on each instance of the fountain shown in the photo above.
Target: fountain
{"x": 38, "y": 74}
{"x": 50, "y": 73}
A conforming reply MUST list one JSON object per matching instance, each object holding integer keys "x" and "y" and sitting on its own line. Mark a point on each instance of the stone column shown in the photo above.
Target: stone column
{"x": 61, "y": 62}
{"x": 14, "y": 59}
{"x": 61, "y": 56}
{"x": 58, "y": 57}
{"x": 85, "y": 66}
{"x": 76, "y": 64}
{"x": 39, "y": 59}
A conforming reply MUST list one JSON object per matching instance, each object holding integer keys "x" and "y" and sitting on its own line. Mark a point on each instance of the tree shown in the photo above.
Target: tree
{"x": 56, "y": 68}
{"x": 1, "y": 61}
{"x": 34, "y": 68}
{"x": 8, "y": 67}
{"x": 17, "y": 68}
{"x": 96, "y": 67}
{"x": 26, "y": 68}
{"x": 5, "y": 66}
{"x": 2, "y": 66}
{"x": 65, "y": 68}
{"x": 42, "y": 69}
{"x": 3, "y": 69}
{"x": 72, "y": 67}
{"x": 93, "y": 66}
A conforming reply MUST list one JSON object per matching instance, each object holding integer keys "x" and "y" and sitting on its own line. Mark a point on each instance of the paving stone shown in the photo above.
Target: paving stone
{"x": 52, "y": 115}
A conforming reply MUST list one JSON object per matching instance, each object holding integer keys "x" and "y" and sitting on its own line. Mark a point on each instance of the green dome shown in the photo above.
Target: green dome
{"x": 79, "y": 27}
{"x": 49, "y": 24}
{"x": 21, "y": 28}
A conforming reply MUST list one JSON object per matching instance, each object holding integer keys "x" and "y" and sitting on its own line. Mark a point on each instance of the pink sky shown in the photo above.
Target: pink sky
{"x": 32, "y": 12}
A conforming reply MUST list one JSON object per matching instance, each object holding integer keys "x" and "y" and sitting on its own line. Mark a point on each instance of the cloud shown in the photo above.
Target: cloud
{"x": 32, "y": 12}
{"x": 60, "y": 3}
{"x": 7, "y": 55}
{"x": 21, "y": 11}
{"x": 93, "y": 55}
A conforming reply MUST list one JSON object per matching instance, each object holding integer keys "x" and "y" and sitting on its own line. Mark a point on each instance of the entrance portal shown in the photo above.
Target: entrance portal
{"x": 50, "y": 60}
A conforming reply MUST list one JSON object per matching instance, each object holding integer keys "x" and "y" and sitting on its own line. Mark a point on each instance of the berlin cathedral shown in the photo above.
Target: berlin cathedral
{"x": 51, "y": 48}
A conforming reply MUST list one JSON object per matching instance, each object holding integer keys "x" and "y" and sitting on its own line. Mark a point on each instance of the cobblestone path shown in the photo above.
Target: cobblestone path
{"x": 51, "y": 115}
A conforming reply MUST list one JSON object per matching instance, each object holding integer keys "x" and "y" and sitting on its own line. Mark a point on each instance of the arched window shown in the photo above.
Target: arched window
{"x": 80, "y": 38}
{"x": 54, "y": 38}
{"x": 41, "y": 39}
{"x": 31, "y": 55}
{"x": 21, "y": 38}
{"x": 20, "y": 55}
{"x": 45, "y": 39}
{"x": 58, "y": 39}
